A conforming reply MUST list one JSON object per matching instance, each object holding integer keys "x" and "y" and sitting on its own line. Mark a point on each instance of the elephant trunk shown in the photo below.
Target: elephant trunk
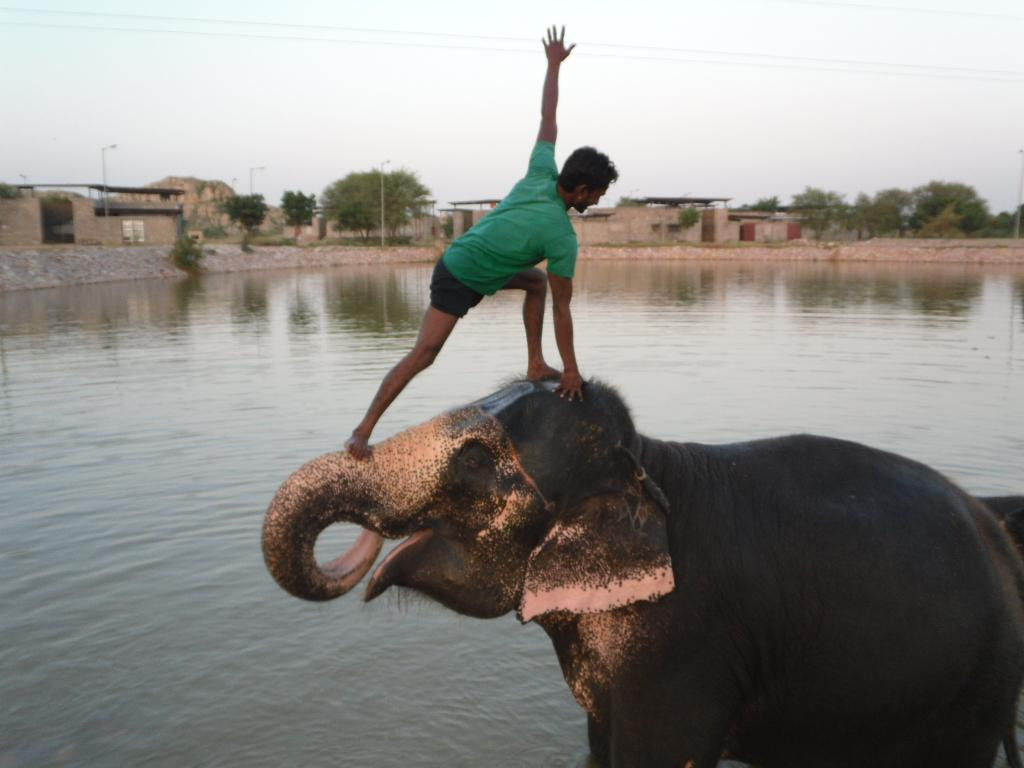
{"x": 313, "y": 498}
{"x": 383, "y": 494}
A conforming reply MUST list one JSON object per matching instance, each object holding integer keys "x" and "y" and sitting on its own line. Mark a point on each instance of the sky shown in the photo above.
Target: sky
{"x": 731, "y": 98}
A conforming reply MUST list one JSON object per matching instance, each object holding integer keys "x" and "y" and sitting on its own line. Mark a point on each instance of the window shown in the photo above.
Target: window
{"x": 133, "y": 231}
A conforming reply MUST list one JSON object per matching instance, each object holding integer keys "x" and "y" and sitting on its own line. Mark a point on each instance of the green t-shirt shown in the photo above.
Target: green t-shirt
{"x": 531, "y": 224}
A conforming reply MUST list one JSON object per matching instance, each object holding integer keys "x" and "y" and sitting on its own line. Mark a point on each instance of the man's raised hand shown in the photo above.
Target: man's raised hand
{"x": 554, "y": 46}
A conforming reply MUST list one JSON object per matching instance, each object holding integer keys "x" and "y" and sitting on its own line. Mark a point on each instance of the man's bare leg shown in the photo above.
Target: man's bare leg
{"x": 534, "y": 282}
{"x": 434, "y": 331}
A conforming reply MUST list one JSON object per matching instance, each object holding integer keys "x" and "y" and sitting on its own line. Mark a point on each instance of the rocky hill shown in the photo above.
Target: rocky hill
{"x": 202, "y": 202}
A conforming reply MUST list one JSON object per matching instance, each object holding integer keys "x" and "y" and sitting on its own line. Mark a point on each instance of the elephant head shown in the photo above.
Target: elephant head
{"x": 520, "y": 501}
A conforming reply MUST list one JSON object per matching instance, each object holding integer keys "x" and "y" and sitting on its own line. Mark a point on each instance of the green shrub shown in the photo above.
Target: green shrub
{"x": 8, "y": 192}
{"x": 214, "y": 232}
{"x": 688, "y": 217}
{"x": 187, "y": 254}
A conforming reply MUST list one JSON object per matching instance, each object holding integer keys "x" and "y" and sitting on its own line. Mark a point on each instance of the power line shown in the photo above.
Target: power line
{"x": 905, "y": 9}
{"x": 455, "y": 35}
{"x": 894, "y": 69}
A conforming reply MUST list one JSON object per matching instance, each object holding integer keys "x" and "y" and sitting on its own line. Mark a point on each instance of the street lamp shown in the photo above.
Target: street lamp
{"x": 1020, "y": 188}
{"x": 103, "y": 161}
{"x": 251, "y": 171}
{"x": 382, "y": 202}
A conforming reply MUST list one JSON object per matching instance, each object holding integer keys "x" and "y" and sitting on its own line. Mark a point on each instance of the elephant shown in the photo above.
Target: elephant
{"x": 794, "y": 601}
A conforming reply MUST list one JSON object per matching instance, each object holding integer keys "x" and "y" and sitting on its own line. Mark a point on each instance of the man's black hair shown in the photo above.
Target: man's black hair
{"x": 587, "y": 166}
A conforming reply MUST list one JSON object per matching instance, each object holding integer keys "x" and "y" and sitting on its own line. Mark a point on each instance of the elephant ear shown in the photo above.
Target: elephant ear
{"x": 610, "y": 551}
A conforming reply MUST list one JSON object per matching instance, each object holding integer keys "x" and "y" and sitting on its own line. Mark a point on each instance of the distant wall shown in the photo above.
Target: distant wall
{"x": 630, "y": 224}
{"x": 21, "y": 222}
{"x": 641, "y": 224}
{"x": 91, "y": 229}
{"x": 610, "y": 225}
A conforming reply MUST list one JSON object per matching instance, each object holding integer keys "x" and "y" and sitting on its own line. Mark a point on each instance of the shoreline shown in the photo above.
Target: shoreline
{"x": 54, "y": 266}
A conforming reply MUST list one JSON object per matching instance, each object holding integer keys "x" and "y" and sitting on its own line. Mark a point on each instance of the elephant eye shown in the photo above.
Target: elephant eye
{"x": 475, "y": 460}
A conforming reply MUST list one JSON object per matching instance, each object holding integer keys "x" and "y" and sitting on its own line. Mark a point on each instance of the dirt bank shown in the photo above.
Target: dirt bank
{"x": 22, "y": 268}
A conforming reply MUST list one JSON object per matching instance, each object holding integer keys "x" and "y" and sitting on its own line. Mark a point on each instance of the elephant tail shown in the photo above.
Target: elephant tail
{"x": 1010, "y": 748}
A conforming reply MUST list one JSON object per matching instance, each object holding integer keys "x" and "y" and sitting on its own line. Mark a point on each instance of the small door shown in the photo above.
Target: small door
{"x": 793, "y": 231}
{"x": 58, "y": 221}
{"x": 748, "y": 231}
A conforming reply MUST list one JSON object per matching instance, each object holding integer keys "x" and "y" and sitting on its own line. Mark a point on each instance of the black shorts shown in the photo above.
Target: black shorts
{"x": 450, "y": 295}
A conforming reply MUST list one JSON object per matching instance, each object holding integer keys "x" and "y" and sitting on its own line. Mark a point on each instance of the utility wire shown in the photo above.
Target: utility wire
{"x": 999, "y": 75}
{"x": 454, "y": 35}
{"x": 904, "y": 9}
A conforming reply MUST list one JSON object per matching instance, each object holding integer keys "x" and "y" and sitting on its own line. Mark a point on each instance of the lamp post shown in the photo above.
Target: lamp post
{"x": 1020, "y": 190}
{"x": 382, "y": 203}
{"x": 103, "y": 161}
{"x": 251, "y": 171}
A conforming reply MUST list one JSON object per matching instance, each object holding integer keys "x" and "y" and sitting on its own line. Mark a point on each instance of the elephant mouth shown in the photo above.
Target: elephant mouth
{"x": 392, "y": 567}
{"x": 349, "y": 569}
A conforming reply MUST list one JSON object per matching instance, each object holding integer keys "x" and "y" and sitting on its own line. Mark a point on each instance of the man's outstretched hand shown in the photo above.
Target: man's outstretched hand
{"x": 571, "y": 386}
{"x": 554, "y": 46}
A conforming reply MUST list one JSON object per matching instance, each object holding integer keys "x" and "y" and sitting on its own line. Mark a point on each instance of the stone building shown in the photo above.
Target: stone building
{"x": 764, "y": 226}
{"x": 653, "y": 220}
{"x": 65, "y": 216}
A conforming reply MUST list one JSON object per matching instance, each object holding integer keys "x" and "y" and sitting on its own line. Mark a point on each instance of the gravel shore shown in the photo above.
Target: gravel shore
{"x": 47, "y": 267}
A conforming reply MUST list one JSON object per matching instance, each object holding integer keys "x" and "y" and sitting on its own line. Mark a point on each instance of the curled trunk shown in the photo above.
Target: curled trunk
{"x": 382, "y": 494}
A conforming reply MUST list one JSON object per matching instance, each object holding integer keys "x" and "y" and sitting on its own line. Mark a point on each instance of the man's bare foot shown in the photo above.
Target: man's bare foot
{"x": 541, "y": 371}
{"x": 358, "y": 446}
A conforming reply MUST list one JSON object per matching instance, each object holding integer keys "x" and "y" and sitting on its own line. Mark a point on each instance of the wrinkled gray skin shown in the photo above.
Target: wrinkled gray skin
{"x": 790, "y": 602}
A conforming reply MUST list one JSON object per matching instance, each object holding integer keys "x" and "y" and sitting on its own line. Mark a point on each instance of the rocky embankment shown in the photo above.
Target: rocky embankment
{"x": 22, "y": 268}
{"x": 53, "y": 266}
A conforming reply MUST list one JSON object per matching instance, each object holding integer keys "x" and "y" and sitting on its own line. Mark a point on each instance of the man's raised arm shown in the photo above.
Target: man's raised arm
{"x": 555, "y": 50}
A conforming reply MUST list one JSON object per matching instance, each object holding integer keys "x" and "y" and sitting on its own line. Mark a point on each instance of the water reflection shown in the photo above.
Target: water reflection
{"x": 302, "y": 317}
{"x": 249, "y": 301}
{"x": 942, "y": 290}
{"x": 365, "y": 302}
{"x": 388, "y": 301}
{"x": 829, "y": 287}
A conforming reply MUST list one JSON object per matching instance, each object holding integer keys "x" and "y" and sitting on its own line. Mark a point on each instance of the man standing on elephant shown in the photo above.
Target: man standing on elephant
{"x": 530, "y": 225}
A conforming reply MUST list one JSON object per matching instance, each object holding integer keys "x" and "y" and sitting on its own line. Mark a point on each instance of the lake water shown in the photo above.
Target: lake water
{"x": 144, "y": 427}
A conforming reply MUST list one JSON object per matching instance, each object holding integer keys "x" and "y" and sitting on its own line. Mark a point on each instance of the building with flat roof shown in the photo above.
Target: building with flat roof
{"x": 61, "y": 213}
{"x": 653, "y": 220}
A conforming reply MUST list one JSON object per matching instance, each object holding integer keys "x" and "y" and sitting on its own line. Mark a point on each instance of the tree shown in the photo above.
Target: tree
{"x": 948, "y": 223}
{"x": 890, "y": 211}
{"x": 1000, "y": 225}
{"x": 248, "y": 211}
{"x": 821, "y": 210}
{"x": 298, "y": 209}
{"x": 354, "y": 201}
{"x": 8, "y": 192}
{"x": 886, "y": 213}
{"x": 688, "y": 217}
{"x": 933, "y": 198}
{"x": 858, "y": 216}
{"x": 770, "y": 204}
{"x": 405, "y": 198}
